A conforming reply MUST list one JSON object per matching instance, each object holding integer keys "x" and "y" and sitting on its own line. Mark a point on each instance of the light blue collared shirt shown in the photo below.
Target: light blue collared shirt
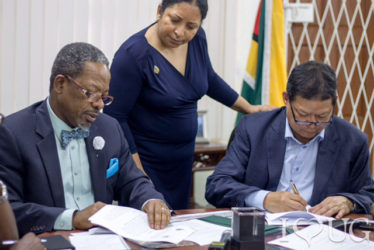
{"x": 75, "y": 172}
{"x": 298, "y": 167}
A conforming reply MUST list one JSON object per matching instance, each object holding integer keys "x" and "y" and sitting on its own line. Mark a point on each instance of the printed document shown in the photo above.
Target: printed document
{"x": 133, "y": 224}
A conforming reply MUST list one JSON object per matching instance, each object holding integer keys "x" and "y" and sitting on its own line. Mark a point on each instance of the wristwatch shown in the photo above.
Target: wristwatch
{"x": 3, "y": 193}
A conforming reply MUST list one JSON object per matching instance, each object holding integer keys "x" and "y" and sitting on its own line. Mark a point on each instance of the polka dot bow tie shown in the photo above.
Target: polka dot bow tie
{"x": 68, "y": 136}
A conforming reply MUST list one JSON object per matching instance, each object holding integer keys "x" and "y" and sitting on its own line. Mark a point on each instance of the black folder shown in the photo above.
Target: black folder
{"x": 57, "y": 242}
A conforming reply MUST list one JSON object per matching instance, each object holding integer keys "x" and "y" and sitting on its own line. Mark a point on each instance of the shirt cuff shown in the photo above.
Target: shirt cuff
{"x": 256, "y": 199}
{"x": 65, "y": 220}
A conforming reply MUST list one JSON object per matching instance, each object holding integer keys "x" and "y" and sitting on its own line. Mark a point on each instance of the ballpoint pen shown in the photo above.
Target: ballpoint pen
{"x": 12, "y": 242}
{"x": 297, "y": 192}
{"x": 294, "y": 188}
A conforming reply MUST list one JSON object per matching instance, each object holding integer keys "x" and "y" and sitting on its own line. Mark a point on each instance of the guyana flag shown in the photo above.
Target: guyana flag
{"x": 266, "y": 76}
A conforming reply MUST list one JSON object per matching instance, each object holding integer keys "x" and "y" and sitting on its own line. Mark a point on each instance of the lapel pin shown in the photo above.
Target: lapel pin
{"x": 98, "y": 143}
{"x": 156, "y": 69}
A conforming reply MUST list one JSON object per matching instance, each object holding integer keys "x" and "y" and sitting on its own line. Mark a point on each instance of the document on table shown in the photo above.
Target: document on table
{"x": 86, "y": 241}
{"x": 204, "y": 232}
{"x": 295, "y": 218}
{"x": 133, "y": 224}
{"x": 320, "y": 237}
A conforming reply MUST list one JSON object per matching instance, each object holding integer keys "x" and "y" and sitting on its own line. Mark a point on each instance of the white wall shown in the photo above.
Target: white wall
{"x": 229, "y": 28}
{"x": 33, "y": 31}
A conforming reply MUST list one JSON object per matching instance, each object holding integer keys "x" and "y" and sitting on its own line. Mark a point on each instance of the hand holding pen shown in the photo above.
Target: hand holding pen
{"x": 283, "y": 201}
{"x": 294, "y": 188}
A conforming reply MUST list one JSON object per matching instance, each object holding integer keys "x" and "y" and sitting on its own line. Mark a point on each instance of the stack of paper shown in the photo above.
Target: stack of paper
{"x": 132, "y": 224}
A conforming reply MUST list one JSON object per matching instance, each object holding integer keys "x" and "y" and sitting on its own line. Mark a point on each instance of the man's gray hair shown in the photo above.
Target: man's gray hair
{"x": 72, "y": 58}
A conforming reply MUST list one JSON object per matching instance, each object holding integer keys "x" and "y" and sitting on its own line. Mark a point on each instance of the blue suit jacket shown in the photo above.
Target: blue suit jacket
{"x": 254, "y": 161}
{"x": 29, "y": 166}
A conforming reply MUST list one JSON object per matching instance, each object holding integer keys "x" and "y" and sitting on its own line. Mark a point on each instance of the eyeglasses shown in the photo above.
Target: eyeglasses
{"x": 305, "y": 123}
{"x": 92, "y": 97}
{"x": 1, "y": 118}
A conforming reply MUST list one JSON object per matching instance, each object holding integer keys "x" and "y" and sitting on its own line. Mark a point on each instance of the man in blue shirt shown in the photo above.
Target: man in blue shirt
{"x": 62, "y": 159}
{"x": 297, "y": 155}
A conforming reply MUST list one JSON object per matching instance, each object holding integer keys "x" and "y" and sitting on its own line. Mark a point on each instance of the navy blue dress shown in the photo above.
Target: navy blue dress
{"x": 156, "y": 107}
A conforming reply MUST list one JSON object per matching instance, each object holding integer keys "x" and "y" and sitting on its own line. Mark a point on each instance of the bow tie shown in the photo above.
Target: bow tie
{"x": 68, "y": 136}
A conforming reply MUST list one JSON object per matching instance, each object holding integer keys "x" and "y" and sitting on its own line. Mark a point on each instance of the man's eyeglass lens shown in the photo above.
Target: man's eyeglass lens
{"x": 305, "y": 123}
{"x": 92, "y": 97}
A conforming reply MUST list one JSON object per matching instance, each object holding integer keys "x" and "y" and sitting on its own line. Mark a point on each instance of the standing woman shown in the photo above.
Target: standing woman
{"x": 158, "y": 75}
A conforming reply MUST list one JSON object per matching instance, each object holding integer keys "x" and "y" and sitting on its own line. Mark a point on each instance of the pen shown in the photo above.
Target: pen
{"x": 297, "y": 192}
{"x": 294, "y": 188}
{"x": 12, "y": 242}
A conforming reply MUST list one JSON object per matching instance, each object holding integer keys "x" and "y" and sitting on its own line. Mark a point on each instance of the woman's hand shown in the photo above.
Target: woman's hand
{"x": 241, "y": 105}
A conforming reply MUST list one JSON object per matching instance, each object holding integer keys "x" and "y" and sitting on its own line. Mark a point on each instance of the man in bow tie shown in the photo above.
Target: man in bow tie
{"x": 57, "y": 177}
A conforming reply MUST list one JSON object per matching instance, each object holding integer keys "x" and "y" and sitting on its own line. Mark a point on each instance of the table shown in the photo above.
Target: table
{"x": 191, "y": 211}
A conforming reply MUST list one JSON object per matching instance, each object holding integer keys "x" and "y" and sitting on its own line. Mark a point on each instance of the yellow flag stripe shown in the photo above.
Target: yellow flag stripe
{"x": 252, "y": 60}
{"x": 278, "y": 71}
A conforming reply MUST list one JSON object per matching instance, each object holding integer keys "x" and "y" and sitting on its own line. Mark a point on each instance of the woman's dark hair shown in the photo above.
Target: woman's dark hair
{"x": 312, "y": 80}
{"x": 201, "y": 4}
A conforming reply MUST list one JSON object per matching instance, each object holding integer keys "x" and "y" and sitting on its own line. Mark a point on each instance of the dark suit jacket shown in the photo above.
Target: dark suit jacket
{"x": 254, "y": 161}
{"x": 30, "y": 167}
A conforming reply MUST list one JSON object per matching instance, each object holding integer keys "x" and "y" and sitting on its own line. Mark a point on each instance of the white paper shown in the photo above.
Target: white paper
{"x": 84, "y": 241}
{"x": 320, "y": 237}
{"x": 133, "y": 224}
{"x": 204, "y": 232}
{"x": 295, "y": 218}
{"x": 184, "y": 217}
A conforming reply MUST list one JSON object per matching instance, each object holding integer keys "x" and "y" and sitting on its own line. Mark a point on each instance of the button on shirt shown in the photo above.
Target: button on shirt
{"x": 298, "y": 167}
{"x": 75, "y": 172}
